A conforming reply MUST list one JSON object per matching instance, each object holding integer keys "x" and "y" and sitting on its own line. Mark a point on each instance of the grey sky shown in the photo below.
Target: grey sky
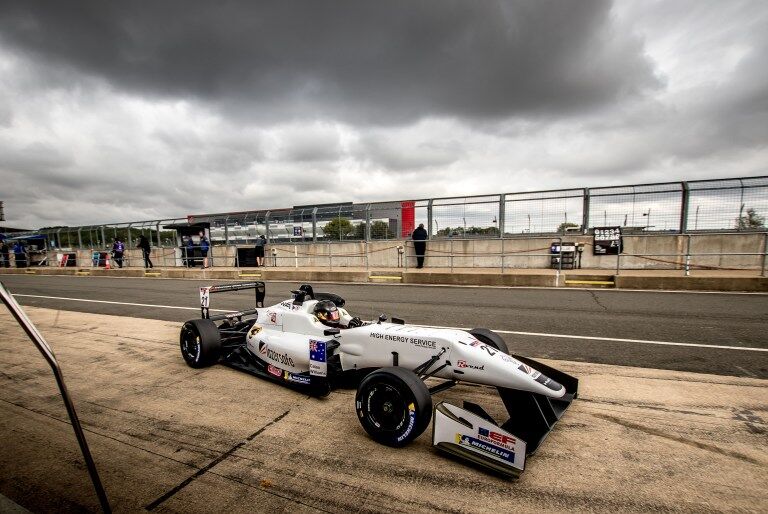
{"x": 116, "y": 111}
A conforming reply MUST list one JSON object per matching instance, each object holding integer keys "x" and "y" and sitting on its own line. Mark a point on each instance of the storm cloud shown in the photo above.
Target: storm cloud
{"x": 113, "y": 111}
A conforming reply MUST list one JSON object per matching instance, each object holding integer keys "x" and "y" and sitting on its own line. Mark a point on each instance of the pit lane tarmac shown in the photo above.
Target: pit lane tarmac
{"x": 169, "y": 438}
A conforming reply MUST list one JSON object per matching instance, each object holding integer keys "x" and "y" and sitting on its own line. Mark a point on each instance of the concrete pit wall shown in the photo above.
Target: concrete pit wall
{"x": 664, "y": 252}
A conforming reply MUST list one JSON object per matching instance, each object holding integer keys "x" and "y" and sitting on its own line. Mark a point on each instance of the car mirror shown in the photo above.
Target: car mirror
{"x": 382, "y": 318}
{"x": 331, "y": 331}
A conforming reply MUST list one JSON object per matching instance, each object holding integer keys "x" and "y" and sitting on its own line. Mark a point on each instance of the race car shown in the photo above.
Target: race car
{"x": 312, "y": 343}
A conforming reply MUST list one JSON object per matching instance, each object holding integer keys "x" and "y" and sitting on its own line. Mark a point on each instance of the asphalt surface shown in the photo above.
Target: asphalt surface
{"x": 723, "y": 319}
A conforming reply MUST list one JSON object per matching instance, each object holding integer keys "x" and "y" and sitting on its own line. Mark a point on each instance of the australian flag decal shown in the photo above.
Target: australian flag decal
{"x": 317, "y": 364}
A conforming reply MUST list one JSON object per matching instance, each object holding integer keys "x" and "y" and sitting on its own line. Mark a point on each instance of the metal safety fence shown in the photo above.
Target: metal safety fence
{"x": 738, "y": 205}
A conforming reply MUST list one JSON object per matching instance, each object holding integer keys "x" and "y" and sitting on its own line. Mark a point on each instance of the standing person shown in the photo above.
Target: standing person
{"x": 204, "y": 247}
{"x": 190, "y": 252}
{"x": 419, "y": 237}
{"x": 118, "y": 249}
{"x": 145, "y": 250}
{"x": 20, "y": 254}
{"x": 4, "y": 254}
{"x": 261, "y": 242}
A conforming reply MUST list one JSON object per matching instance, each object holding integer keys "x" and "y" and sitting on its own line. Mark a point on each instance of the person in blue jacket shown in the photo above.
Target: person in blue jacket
{"x": 118, "y": 248}
{"x": 204, "y": 247}
{"x": 20, "y": 254}
{"x": 190, "y": 252}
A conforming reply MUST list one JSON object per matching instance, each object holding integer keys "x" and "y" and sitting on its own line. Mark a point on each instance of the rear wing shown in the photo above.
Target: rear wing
{"x": 205, "y": 294}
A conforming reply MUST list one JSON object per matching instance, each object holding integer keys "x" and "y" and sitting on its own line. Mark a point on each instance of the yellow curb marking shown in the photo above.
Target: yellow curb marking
{"x": 591, "y": 282}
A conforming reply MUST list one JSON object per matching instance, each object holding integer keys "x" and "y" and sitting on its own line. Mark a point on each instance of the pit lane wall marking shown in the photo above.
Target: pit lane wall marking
{"x": 511, "y": 332}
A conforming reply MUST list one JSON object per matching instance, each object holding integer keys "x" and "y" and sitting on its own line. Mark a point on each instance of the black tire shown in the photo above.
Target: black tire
{"x": 394, "y": 406}
{"x": 200, "y": 343}
{"x": 490, "y": 338}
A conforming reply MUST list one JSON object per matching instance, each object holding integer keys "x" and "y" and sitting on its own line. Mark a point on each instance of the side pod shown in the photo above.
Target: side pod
{"x": 532, "y": 415}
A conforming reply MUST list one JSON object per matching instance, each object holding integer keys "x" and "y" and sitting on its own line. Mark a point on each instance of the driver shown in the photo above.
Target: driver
{"x": 330, "y": 315}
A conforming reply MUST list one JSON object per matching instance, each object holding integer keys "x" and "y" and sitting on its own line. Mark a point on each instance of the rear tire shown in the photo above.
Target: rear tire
{"x": 490, "y": 338}
{"x": 200, "y": 343}
{"x": 394, "y": 406}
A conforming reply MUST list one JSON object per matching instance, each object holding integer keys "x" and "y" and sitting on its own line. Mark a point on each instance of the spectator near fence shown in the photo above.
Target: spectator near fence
{"x": 204, "y": 247}
{"x": 261, "y": 242}
{"x": 189, "y": 252}
{"x": 145, "y": 251}
{"x": 419, "y": 237}
{"x": 6, "y": 260}
{"x": 118, "y": 249}
{"x": 20, "y": 254}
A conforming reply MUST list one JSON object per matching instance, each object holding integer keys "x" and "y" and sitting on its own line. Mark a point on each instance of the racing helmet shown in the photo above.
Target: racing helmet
{"x": 327, "y": 313}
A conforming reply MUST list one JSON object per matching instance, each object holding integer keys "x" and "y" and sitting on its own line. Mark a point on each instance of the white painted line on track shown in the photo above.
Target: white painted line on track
{"x": 115, "y": 303}
{"x": 511, "y": 332}
{"x": 615, "y": 339}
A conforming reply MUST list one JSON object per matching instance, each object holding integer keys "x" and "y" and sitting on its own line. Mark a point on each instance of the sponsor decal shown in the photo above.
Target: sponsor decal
{"x": 295, "y": 307}
{"x": 497, "y": 438}
{"x": 296, "y": 378}
{"x": 411, "y": 422}
{"x": 286, "y": 304}
{"x": 262, "y": 347}
{"x": 465, "y": 364}
{"x": 421, "y": 343}
{"x": 272, "y": 316}
{"x": 317, "y": 358}
{"x": 507, "y": 358}
{"x": 526, "y": 369}
{"x": 282, "y": 358}
{"x": 274, "y": 370}
{"x": 487, "y": 448}
{"x": 548, "y": 382}
{"x": 255, "y": 330}
{"x": 489, "y": 350}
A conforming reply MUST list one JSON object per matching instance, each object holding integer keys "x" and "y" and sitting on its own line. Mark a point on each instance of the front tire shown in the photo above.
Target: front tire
{"x": 394, "y": 406}
{"x": 200, "y": 343}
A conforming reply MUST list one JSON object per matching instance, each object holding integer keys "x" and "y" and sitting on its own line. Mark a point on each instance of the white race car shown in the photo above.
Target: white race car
{"x": 288, "y": 343}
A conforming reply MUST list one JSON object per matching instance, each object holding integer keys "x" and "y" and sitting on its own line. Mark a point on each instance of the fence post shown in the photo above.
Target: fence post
{"x": 765, "y": 251}
{"x": 79, "y": 238}
{"x": 502, "y": 215}
{"x": 429, "y": 219}
{"x": 585, "y": 213}
{"x": 366, "y": 257}
{"x": 451, "y": 257}
{"x": 314, "y": 225}
{"x": 330, "y": 256}
{"x": 368, "y": 223}
{"x": 295, "y": 256}
{"x": 684, "y": 208}
{"x": 502, "y": 255}
{"x": 103, "y": 235}
{"x": 618, "y": 259}
{"x": 688, "y": 257}
{"x": 405, "y": 254}
{"x": 266, "y": 226}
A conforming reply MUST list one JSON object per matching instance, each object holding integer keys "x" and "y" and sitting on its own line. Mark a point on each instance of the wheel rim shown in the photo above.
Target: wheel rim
{"x": 387, "y": 408}
{"x": 190, "y": 345}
